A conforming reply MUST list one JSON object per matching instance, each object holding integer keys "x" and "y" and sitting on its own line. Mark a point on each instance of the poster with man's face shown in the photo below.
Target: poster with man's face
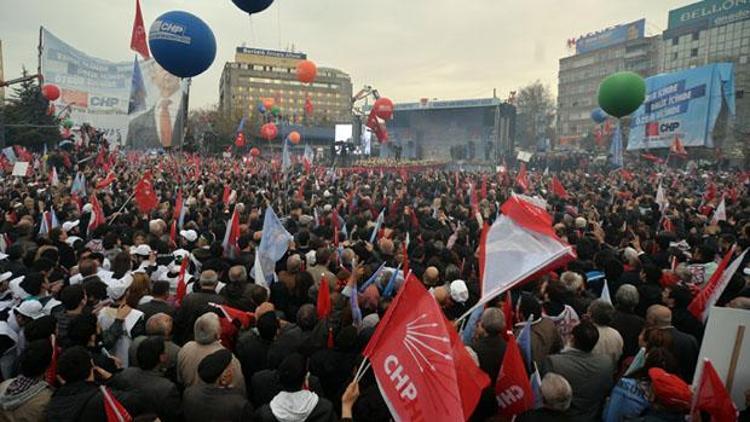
{"x": 156, "y": 111}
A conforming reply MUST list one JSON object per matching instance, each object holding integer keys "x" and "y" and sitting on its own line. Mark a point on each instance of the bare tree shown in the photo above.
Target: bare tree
{"x": 536, "y": 114}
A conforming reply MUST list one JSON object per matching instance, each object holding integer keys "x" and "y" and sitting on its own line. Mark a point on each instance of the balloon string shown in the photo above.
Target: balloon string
{"x": 253, "y": 40}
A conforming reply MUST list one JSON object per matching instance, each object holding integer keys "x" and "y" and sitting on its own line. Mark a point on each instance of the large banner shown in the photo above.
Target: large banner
{"x": 611, "y": 36}
{"x": 684, "y": 104}
{"x": 157, "y": 107}
{"x": 96, "y": 90}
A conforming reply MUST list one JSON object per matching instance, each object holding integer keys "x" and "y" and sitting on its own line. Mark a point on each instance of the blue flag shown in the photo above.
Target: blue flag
{"x": 615, "y": 149}
{"x": 390, "y": 288}
{"x": 524, "y": 343}
{"x": 471, "y": 325}
{"x": 378, "y": 223}
{"x": 356, "y": 312}
{"x": 273, "y": 244}
{"x": 536, "y": 387}
{"x": 137, "y": 90}
{"x": 372, "y": 278}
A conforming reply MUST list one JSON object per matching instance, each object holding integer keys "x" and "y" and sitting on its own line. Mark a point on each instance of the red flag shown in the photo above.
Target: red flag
{"x": 23, "y": 154}
{"x": 177, "y": 205}
{"x": 474, "y": 200}
{"x": 231, "y": 236}
{"x": 710, "y": 192}
{"x": 677, "y": 148}
{"x": 627, "y": 175}
{"x": 712, "y": 397}
{"x": 51, "y": 375}
{"x": 508, "y": 313}
{"x": 652, "y": 158}
{"x": 667, "y": 225}
{"x": 513, "y": 389}
{"x": 173, "y": 233}
{"x": 115, "y": 411}
{"x": 226, "y": 195}
{"x": 181, "y": 284}
{"x": 708, "y": 296}
{"x": 106, "y": 181}
{"x": 522, "y": 179}
{"x": 557, "y": 188}
{"x": 138, "y": 37}
{"x": 97, "y": 214}
{"x": 324, "y": 299}
{"x": 145, "y": 197}
{"x": 418, "y": 361}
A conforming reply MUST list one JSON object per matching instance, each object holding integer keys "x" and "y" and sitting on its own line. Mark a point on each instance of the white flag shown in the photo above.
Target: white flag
{"x": 661, "y": 198}
{"x": 605, "y": 293}
{"x": 720, "y": 214}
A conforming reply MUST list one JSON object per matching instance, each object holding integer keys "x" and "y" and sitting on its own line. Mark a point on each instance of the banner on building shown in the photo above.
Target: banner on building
{"x": 684, "y": 104}
{"x": 97, "y": 90}
{"x": 611, "y": 36}
{"x": 157, "y": 107}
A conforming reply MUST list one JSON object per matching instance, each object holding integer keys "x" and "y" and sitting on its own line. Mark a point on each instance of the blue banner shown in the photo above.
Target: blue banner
{"x": 684, "y": 104}
{"x": 611, "y": 36}
{"x": 710, "y": 13}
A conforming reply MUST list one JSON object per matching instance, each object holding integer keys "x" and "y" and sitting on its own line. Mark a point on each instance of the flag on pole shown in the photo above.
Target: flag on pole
{"x": 114, "y": 410}
{"x": 138, "y": 37}
{"x": 181, "y": 283}
{"x": 231, "y": 236}
{"x": 557, "y": 188}
{"x": 273, "y": 244}
{"x": 145, "y": 197}
{"x": 536, "y": 387}
{"x": 524, "y": 343}
{"x": 677, "y": 148}
{"x": 520, "y": 244}
{"x": 522, "y": 179}
{"x": 513, "y": 389}
{"x": 260, "y": 278}
{"x": 720, "y": 214}
{"x": 97, "y": 214}
{"x": 605, "y": 293}
{"x": 137, "y": 99}
{"x": 615, "y": 149}
{"x": 703, "y": 301}
{"x": 378, "y": 223}
{"x": 106, "y": 181}
{"x": 323, "y": 303}
{"x": 712, "y": 397}
{"x": 391, "y": 286}
{"x": 423, "y": 370}
{"x": 661, "y": 198}
{"x": 53, "y": 179}
{"x": 178, "y": 204}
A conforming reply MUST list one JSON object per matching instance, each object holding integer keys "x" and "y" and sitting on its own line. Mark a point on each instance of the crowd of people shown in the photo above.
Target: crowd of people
{"x": 93, "y": 315}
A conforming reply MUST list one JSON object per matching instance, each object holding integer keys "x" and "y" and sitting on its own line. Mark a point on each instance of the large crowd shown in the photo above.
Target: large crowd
{"x": 86, "y": 303}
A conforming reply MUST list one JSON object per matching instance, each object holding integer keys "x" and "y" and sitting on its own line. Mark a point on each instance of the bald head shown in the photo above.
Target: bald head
{"x": 293, "y": 264}
{"x": 386, "y": 246}
{"x": 441, "y": 295}
{"x": 430, "y": 276}
{"x": 159, "y": 324}
{"x": 658, "y": 316}
{"x": 263, "y": 308}
{"x": 238, "y": 274}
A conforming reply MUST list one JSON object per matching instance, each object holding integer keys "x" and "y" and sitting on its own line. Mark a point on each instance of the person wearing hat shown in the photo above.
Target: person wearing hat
{"x": 216, "y": 398}
{"x": 670, "y": 398}
{"x": 188, "y": 238}
{"x": 120, "y": 323}
{"x": 295, "y": 402}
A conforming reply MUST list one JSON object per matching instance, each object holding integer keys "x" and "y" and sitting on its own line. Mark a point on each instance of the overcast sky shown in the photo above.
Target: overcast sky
{"x": 408, "y": 49}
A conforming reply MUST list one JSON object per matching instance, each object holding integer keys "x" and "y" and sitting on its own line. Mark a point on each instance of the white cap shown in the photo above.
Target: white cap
{"x": 117, "y": 288}
{"x": 459, "y": 292}
{"x": 180, "y": 254}
{"x": 327, "y": 207}
{"x": 5, "y": 276}
{"x": 30, "y": 309}
{"x": 69, "y": 225}
{"x": 189, "y": 235}
{"x": 326, "y": 193}
{"x": 71, "y": 240}
{"x": 87, "y": 208}
{"x": 310, "y": 259}
{"x": 142, "y": 250}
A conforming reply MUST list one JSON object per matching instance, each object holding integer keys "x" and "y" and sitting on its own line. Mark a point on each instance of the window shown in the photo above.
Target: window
{"x": 694, "y": 52}
{"x": 674, "y": 56}
{"x": 696, "y": 36}
{"x": 675, "y": 40}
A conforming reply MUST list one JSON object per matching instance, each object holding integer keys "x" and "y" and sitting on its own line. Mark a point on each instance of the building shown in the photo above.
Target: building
{"x": 480, "y": 129}
{"x": 2, "y": 76}
{"x": 597, "y": 55}
{"x": 714, "y": 31}
{"x": 256, "y": 74}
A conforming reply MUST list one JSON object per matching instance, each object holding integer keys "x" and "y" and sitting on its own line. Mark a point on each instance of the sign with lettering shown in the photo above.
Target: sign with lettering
{"x": 272, "y": 53}
{"x": 611, "y": 36}
{"x": 710, "y": 13}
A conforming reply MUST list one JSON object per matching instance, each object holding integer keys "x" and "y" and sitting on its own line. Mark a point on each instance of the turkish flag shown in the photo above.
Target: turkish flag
{"x": 522, "y": 179}
{"x": 323, "y": 304}
{"x": 513, "y": 389}
{"x": 712, "y": 397}
{"x": 114, "y": 410}
{"x": 97, "y": 214}
{"x": 181, "y": 284}
{"x": 145, "y": 197}
{"x": 557, "y": 188}
{"x": 106, "y": 181}
{"x": 138, "y": 37}
{"x": 423, "y": 370}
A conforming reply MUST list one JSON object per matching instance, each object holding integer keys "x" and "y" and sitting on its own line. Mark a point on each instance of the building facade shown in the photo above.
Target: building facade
{"x": 620, "y": 48}
{"x": 714, "y": 31}
{"x": 2, "y": 76}
{"x": 256, "y": 74}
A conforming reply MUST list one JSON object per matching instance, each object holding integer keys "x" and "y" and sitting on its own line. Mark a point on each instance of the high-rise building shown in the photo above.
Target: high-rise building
{"x": 2, "y": 76}
{"x": 256, "y": 74}
{"x": 597, "y": 55}
{"x": 714, "y": 31}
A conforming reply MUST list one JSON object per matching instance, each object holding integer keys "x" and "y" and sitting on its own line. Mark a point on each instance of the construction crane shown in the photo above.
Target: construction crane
{"x": 363, "y": 94}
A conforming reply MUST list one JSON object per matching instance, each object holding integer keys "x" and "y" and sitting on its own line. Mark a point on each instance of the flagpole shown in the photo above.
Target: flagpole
{"x": 114, "y": 216}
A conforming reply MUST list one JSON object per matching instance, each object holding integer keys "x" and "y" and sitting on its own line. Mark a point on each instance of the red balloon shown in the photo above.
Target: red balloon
{"x": 239, "y": 141}
{"x": 255, "y": 152}
{"x": 294, "y": 137}
{"x": 51, "y": 92}
{"x": 306, "y": 71}
{"x": 269, "y": 131}
{"x": 268, "y": 103}
{"x": 383, "y": 108}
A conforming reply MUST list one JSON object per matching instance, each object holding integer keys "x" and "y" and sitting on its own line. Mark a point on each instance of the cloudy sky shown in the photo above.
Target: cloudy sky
{"x": 408, "y": 49}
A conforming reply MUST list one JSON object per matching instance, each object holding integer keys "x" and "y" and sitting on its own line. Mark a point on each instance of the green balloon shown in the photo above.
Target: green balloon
{"x": 275, "y": 110}
{"x": 622, "y": 93}
{"x": 67, "y": 123}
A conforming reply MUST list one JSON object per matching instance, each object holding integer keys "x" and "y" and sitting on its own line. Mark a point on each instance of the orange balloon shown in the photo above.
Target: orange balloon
{"x": 294, "y": 137}
{"x": 268, "y": 103}
{"x": 306, "y": 71}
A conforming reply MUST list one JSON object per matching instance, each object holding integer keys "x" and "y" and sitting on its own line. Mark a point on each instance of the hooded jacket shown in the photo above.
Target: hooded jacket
{"x": 300, "y": 406}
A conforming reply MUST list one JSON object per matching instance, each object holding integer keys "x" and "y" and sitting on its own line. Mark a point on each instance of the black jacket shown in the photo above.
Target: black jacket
{"x": 490, "y": 351}
{"x": 83, "y": 401}
{"x": 160, "y": 393}
{"x": 252, "y": 352}
{"x": 203, "y": 402}
{"x": 629, "y": 326}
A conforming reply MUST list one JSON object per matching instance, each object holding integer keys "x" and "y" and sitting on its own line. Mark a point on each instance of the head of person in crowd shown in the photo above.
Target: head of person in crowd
{"x": 557, "y": 393}
{"x": 215, "y": 369}
{"x": 492, "y": 322}
{"x": 208, "y": 281}
{"x": 601, "y": 313}
{"x": 585, "y": 336}
{"x": 207, "y": 328}
{"x": 159, "y": 325}
{"x": 151, "y": 353}
{"x": 627, "y": 298}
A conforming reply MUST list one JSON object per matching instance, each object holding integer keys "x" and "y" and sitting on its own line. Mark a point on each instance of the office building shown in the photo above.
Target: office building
{"x": 714, "y": 31}
{"x": 2, "y": 76}
{"x": 597, "y": 55}
{"x": 256, "y": 74}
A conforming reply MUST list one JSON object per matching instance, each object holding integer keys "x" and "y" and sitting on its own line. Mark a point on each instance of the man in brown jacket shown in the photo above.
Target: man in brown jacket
{"x": 25, "y": 397}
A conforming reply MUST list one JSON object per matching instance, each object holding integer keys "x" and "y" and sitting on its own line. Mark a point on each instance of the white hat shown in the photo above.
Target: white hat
{"x": 69, "y": 225}
{"x": 327, "y": 207}
{"x": 30, "y": 309}
{"x": 310, "y": 259}
{"x": 117, "y": 288}
{"x": 180, "y": 253}
{"x": 87, "y": 208}
{"x": 142, "y": 250}
{"x": 71, "y": 240}
{"x": 326, "y": 193}
{"x": 459, "y": 292}
{"x": 189, "y": 235}
{"x": 580, "y": 222}
{"x": 5, "y": 276}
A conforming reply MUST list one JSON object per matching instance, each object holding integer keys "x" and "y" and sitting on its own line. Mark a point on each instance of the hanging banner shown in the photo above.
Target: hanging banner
{"x": 684, "y": 104}
{"x": 96, "y": 90}
{"x": 157, "y": 107}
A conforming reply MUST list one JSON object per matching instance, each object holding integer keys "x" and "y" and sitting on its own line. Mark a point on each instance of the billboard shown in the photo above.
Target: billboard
{"x": 157, "y": 107}
{"x": 271, "y": 53}
{"x": 684, "y": 104}
{"x": 709, "y": 13}
{"x": 611, "y": 36}
{"x": 96, "y": 90}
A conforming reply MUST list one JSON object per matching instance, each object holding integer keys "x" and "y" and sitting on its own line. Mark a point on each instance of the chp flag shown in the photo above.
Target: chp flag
{"x": 422, "y": 368}
{"x": 519, "y": 245}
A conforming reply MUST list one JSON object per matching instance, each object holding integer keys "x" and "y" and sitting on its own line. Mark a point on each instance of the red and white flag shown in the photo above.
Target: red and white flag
{"x": 138, "y": 37}
{"x": 677, "y": 148}
{"x": 708, "y": 296}
{"x": 231, "y": 236}
{"x": 513, "y": 388}
{"x": 720, "y": 214}
{"x": 115, "y": 411}
{"x": 422, "y": 369}
{"x": 106, "y": 181}
{"x": 53, "y": 179}
{"x": 712, "y": 397}
{"x": 181, "y": 282}
{"x": 557, "y": 188}
{"x": 522, "y": 179}
{"x": 145, "y": 196}
{"x": 97, "y": 213}
{"x": 519, "y": 245}
{"x": 661, "y": 198}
